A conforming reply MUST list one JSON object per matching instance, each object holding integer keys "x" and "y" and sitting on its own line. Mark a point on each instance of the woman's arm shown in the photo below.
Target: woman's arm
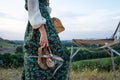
{"x": 37, "y": 21}
{"x": 34, "y": 15}
{"x": 43, "y": 37}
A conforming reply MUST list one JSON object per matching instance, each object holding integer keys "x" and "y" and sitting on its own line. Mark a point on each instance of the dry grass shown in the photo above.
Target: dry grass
{"x": 15, "y": 74}
{"x": 93, "y": 75}
{"x": 10, "y": 74}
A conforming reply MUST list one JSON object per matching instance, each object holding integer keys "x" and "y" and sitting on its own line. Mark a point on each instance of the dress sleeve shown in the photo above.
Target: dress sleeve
{"x": 34, "y": 14}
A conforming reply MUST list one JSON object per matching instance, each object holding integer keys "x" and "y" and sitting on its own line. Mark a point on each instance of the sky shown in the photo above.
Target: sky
{"x": 82, "y": 19}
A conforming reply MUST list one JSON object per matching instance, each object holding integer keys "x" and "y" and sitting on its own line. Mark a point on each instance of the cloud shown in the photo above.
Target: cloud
{"x": 4, "y": 15}
{"x": 116, "y": 17}
{"x": 11, "y": 35}
{"x": 68, "y": 35}
{"x": 87, "y": 20}
{"x": 81, "y": 19}
{"x": 12, "y": 25}
{"x": 7, "y": 16}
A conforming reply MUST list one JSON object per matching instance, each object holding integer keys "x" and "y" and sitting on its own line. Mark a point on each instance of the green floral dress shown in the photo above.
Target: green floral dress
{"x": 31, "y": 43}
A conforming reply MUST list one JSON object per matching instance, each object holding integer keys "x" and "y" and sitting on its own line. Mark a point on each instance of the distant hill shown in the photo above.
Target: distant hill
{"x": 7, "y": 46}
{"x": 18, "y": 41}
{"x": 21, "y": 41}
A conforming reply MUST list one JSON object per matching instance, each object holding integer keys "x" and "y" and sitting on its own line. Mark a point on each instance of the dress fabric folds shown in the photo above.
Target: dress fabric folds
{"x": 31, "y": 44}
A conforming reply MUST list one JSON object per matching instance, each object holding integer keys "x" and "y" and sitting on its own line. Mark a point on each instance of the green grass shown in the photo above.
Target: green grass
{"x": 99, "y": 64}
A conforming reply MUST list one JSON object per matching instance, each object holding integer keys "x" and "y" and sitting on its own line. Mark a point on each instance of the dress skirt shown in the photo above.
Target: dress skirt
{"x": 31, "y": 44}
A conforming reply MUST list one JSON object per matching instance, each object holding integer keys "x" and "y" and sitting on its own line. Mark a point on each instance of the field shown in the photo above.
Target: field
{"x": 15, "y": 74}
{"x": 10, "y": 74}
{"x": 93, "y": 75}
{"x": 87, "y": 64}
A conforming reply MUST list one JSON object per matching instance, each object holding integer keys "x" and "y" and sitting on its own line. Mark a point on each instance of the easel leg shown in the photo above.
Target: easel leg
{"x": 113, "y": 63}
{"x": 109, "y": 51}
{"x": 69, "y": 69}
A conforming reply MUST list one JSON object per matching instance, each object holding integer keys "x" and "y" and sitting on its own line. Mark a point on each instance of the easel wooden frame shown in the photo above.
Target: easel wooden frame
{"x": 107, "y": 43}
{"x": 109, "y": 50}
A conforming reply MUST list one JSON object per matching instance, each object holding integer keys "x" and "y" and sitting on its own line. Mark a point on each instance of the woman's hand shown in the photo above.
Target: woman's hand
{"x": 43, "y": 37}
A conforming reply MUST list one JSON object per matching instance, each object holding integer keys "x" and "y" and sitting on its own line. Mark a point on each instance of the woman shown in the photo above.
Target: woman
{"x": 41, "y": 32}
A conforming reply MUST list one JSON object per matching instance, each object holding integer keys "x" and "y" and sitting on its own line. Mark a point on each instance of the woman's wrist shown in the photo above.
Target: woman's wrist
{"x": 42, "y": 29}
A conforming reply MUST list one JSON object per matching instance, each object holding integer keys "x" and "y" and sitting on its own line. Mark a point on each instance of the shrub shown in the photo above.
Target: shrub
{"x": 19, "y": 49}
{"x": 89, "y": 54}
{"x": 12, "y": 60}
{"x": 99, "y": 64}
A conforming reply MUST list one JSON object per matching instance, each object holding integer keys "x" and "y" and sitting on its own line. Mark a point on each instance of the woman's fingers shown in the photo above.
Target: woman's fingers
{"x": 41, "y": 43}
{"x": 44, "y": 43}
{"x": 47, "y": 44}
